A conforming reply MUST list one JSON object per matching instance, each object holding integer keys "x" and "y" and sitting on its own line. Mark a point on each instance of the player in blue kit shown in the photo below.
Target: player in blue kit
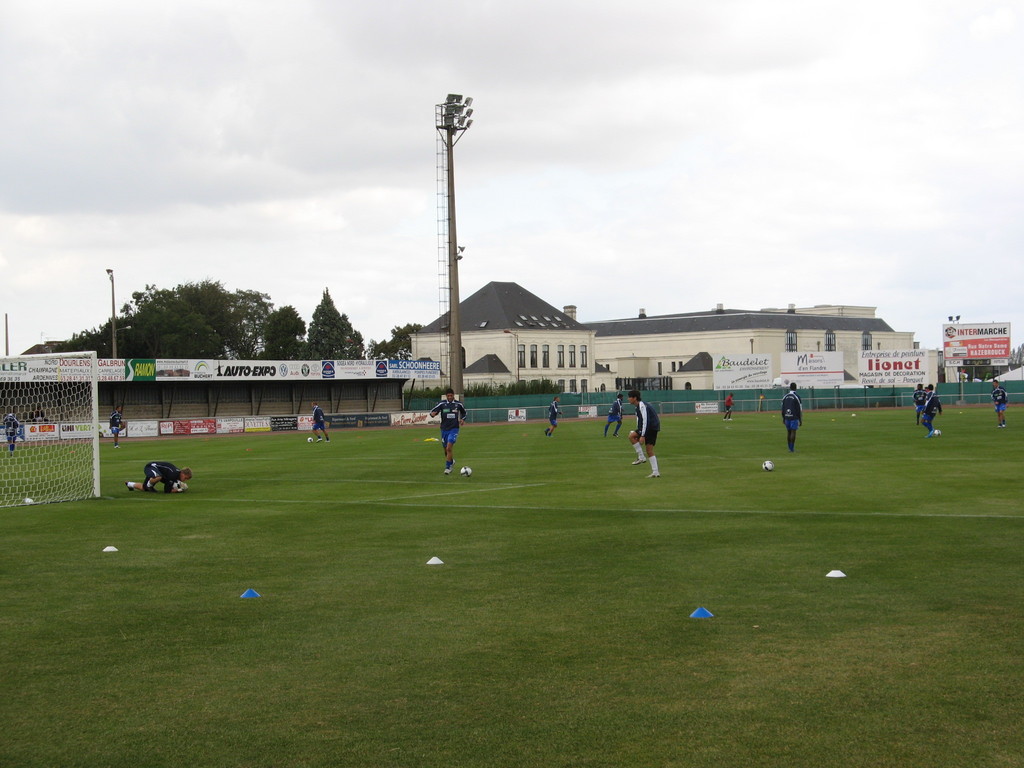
{"x": 320, "y": 424}
{"x": 553, "y": 414}
{"x": 999, "y": 399}
{"x": 453, "y": 416}
{"x": 116, "y": 425}
{"x": 11, "y": 428}
{"x": 920, "y": 396}
{"x": 932, "y": 408}
{"x": 792, "y": 416}
{"x": 614, "y": 416}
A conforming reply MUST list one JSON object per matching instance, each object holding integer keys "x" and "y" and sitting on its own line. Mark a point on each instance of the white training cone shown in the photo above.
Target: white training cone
{"x": 110, "y": 549}
{"x": 435, "y": 561}
{"x": 835, "y": 575}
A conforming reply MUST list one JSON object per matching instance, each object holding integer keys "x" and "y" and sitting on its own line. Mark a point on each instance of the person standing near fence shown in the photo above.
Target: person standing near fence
{"x": 117, "y": 425}
{"x": 728, "y": 407}
{"x": 320, "y": 424}
{"x": 553, "y": 413}
{"x": 999, "y": 399}
{"x": 11, "y": 427}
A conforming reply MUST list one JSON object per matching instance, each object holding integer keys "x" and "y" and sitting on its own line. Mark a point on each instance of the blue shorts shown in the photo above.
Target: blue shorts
{"x": 115, "y": 430}
{"x": 612, "y": 417}
{"x": 449, "y": 436}
{"x": 791, "y": 423}
{"x": 319, "y": 425}
{"x": 920, "y": 408}
{"x": 1000, "y": 407}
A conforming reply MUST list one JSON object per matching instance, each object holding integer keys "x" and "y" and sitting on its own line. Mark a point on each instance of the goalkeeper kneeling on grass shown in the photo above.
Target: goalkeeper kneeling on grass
{"x": 162, "y": 472}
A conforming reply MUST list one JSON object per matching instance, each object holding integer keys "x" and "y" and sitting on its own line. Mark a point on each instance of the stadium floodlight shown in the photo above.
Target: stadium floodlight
{"x": 453, "y": 119}
{"x": 55, "y": 454}
{"x": 113, "y": 317}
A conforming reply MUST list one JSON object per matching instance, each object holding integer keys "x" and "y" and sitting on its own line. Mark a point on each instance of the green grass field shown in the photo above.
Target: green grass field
{"x": 557, "y": 632}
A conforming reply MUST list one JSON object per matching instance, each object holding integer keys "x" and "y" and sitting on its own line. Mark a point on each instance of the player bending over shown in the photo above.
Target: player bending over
{"x": 162, "y": 472}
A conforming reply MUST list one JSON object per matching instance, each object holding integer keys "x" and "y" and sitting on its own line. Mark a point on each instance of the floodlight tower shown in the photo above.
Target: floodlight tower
{"x": 452, "y": 119}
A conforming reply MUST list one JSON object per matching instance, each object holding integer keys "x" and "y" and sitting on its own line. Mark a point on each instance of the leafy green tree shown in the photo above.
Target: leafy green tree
{"x": 399, "y": 347}
{"x": 331, "y": 335}
{"x": 284, "y": 335}
{"x": 166, "y": 323}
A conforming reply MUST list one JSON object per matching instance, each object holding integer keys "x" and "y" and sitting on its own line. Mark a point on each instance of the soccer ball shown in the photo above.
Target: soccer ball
{"x": 938, "y": 432}
{"x": 768, "y": 466}
{"x": 180, "y": 486}
{"x": 466, "y": 471}
{"x": 309, "y": 439}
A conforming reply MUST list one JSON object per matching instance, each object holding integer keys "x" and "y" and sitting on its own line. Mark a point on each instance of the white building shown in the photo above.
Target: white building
{"x": 509, "y": 334}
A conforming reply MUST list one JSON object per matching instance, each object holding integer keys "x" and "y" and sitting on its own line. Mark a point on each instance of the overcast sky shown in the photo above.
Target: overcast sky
{"x": 670, "y": 155}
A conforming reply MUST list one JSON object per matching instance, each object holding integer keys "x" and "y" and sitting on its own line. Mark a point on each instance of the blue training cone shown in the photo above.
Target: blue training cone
{"x": 702, "y": 613}
{"x": 250, "y": 593}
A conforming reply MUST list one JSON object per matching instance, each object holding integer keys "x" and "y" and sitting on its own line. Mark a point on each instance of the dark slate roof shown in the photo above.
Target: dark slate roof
{"x": 700, "y": 362}
{"x": 735, "y": 319}
{"x": 506, "y": 305}
{"x": 487, "y": 364}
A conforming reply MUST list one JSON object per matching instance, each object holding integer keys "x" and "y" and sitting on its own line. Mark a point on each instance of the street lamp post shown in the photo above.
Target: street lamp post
{"x": 113, "y": 316}
{"x": 453, "y": 119}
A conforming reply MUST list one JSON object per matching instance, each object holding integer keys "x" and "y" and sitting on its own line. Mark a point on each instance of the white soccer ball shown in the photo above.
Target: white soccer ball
{"x": 29, "y": 501}
{"x": 309, "y": 439}
{"x": 938, "y": 432}
{"x": 466, "y": 471}
{"x": 768, "y": 465}
{"x": 180, "y": 486}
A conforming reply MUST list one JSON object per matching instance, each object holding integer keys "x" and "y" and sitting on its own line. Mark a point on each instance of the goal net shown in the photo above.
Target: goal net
{"x": 51, "y": 428}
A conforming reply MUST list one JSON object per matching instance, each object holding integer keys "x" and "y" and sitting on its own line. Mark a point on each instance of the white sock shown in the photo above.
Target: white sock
{"x": 654, "y": 464}
{"x": 639, "y": 450}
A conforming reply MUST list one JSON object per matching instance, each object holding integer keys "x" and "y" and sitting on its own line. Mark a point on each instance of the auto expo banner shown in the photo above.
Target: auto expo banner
{"x": 893, "y": 366}
{"x": 177, "y": 369}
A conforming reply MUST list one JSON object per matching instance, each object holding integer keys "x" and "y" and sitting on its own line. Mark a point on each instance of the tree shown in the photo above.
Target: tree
{"x": 331, "y": 335}
{"x": 1017, "y": 357}
{"x": 284, "y": 335}
{"x": 399, "y": 347}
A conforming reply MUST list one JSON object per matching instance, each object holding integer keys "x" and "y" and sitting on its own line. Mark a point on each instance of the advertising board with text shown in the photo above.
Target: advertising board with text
{"x": 812, "y": 369}
{"x": 893, "y": 366}
{"x": 976, "y": 344}
{"x": 742, "y": 371}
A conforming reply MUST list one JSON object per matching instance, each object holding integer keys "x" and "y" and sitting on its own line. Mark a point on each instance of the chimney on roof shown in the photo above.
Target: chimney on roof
{"x": 570, "y": 310}
{"x": 792, "y": 309}
{"x": 643, "y": 313}
{"x": 719, "y": 308}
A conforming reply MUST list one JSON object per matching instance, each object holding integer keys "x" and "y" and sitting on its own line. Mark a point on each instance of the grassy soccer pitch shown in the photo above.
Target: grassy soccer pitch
{"x": 557, "y": 632}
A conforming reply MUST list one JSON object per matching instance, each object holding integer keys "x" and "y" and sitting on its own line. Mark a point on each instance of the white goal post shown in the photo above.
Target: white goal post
{"x": 51, "y": 428}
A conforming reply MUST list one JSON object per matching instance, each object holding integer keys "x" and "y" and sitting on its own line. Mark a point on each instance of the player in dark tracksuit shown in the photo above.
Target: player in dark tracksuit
{"x": 161, "y": 472}
{"x": 920, "y": 396}
{"x": 792, "y": 416}
{"x": 614, "y": 416}
{"x": 999, "y": 400}
{"x": 11, "y": 427}
{"x": 932, "y": 408}
{"x": 645, "y": 436}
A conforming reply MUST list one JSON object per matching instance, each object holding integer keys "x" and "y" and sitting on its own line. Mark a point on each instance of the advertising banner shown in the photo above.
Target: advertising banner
{"x": 743, "y": 371}
{"x": 188, "y": 427}
{"x": 517, "y": 414}
{"x": 230, "y": 426}
{"x": 893, "y": 366}
{"x": 411, "y": 419}
{"x": 812, "y": 369}
{"x": 587, "y": 411}
{"x": 284, "y": 424}
{"x": 36, "y": 432}
{"x": 77, "y": 431}
{"x": 257, "y": 424}
{"x": 976, "y": 344}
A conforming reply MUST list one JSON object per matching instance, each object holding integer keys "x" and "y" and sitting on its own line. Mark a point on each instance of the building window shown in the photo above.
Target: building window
{"x": 533, "y": 355}
{"x": 521, "y": 355}
{"x": 583, "y": 357}
{"x": 561, "y": 358}
{"x": 572, "y": 385}
{"x": 865, "y": 340}
{"x": 572, "y": 357}
{"x": 659, "y": 368}
{"x": 583, "y": 386}
{"x": 545, "y": 356}
{"x": 830, "y": 341}
{"x": 561, "y": 385}
{"x": 791, "y": 341}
